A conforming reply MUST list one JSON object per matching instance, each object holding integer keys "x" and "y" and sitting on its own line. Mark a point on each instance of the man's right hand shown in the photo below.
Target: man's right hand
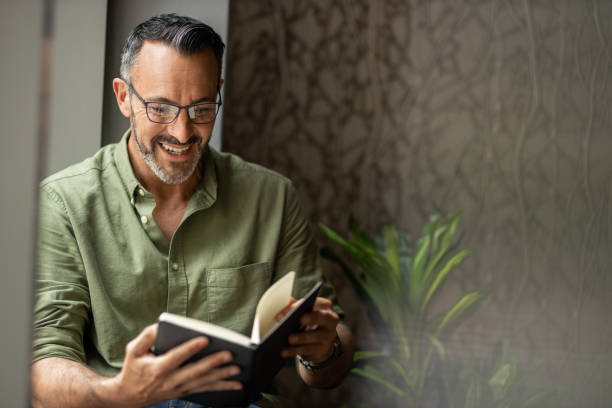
{"x": 146, "y": 378}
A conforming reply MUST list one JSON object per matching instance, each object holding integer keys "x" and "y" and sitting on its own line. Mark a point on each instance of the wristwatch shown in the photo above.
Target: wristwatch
{"x": 337, "y": 352}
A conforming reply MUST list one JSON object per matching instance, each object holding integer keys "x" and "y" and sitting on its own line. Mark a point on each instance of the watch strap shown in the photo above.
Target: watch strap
{"x": 337, "y": 352}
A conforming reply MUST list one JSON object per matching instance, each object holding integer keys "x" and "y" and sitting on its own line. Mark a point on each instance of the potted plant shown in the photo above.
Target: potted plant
{"x": 398, "y": 282}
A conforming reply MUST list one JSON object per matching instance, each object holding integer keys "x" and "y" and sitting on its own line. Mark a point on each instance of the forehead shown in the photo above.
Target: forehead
{"x": 159, "y": 65}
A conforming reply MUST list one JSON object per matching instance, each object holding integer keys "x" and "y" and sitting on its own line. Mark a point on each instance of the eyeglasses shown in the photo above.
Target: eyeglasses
{"x": 164, "y": 113}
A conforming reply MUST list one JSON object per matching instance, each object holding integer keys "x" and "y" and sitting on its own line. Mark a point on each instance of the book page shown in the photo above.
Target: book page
{"x": 207, "y": 329}
{"x": 275, "y": 299}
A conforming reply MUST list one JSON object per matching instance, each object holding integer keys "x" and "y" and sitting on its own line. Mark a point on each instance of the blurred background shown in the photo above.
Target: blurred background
{"x": 399, "y": 114}
{"x": 388, "y": 110}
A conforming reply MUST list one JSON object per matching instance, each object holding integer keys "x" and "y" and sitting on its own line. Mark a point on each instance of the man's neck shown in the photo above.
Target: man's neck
{"x": 162, "y": 191}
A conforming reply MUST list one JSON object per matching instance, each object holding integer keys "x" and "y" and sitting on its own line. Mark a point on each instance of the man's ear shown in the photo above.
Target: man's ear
{"x": 121, "y": 94}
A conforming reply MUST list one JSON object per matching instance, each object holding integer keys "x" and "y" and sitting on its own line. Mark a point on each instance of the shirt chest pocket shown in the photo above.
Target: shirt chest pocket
{"x": 233, "y": 294}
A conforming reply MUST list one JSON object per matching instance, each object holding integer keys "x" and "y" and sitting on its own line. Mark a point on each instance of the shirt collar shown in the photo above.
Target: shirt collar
{"x": 122, "y": 161}
{"x": 206, "y": 191}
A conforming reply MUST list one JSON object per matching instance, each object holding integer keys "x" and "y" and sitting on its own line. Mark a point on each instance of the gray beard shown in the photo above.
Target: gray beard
{"x": 159, "y": 171}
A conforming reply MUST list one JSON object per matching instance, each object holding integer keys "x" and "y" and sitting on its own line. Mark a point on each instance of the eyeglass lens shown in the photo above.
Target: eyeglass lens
{"x": 165, "y": 113}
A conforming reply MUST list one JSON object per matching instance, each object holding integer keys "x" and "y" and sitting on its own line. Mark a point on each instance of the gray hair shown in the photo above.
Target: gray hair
{"x": 185, "y": 34}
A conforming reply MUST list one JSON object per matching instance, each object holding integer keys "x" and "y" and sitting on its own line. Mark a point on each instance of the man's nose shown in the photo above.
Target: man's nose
{"x": 181, "y": 128}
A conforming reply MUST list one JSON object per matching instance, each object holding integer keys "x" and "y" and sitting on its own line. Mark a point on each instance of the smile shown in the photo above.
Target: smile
{"x": 174, "y": 150}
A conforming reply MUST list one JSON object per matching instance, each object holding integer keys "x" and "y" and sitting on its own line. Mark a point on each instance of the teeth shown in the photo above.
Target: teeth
{"x": 174, "y": 150}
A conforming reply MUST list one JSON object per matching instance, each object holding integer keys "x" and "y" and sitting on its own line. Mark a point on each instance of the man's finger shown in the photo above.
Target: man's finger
{"x": 322, "y": 303}
{"x": 293, "y": 303}
{"x": 215, "y": 386}
{"x": 204, "y": 366}
{"x": 326, "y": 318}
{"x": 196, "y": 380}
{"x": 142, "y": 343}
{"x": 305, "y": 350}
{"x": 311, "y": 337}
{"x": 172, "y": 359}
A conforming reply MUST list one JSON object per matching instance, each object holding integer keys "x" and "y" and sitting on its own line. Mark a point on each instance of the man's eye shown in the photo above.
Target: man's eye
{"x": 202, "y": 110}
{"x": 159, "y": 109}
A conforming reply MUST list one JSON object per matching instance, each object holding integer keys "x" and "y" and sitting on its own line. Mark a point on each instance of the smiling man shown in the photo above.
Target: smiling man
{"x": 162, "y": 222}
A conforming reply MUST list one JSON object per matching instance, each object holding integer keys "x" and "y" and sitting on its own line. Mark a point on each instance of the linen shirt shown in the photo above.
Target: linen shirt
{"x": 106, "y": 270}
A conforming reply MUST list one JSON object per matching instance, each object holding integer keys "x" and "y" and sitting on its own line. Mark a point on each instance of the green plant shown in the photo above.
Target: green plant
{"x": 398, "y": 283}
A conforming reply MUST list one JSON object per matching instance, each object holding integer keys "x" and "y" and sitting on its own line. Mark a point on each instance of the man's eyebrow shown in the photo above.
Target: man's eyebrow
{"x": 166, "y": 100}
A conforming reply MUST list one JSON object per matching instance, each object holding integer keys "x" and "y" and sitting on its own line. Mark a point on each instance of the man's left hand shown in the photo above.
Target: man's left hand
{"x": 315, "y": 342}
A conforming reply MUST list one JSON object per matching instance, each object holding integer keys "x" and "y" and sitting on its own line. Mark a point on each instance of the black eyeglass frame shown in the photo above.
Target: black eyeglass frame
{"x": 178, "y": 112}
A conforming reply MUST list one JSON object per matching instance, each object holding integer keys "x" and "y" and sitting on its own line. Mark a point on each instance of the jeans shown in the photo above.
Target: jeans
{"x": 178, "y": 403}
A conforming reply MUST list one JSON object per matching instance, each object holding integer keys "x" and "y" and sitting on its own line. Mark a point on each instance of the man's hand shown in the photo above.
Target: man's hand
{"x": 315, "y": 343}
{"x": 146, "y": 378}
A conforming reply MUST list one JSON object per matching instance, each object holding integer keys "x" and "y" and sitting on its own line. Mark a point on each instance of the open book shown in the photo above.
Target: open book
{"x": 258, "y": 356}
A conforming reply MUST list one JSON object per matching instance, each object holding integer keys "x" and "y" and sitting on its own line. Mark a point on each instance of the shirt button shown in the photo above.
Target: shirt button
{"x": 144, "y": 219}
{"x": 175, "y": 266}
{"x": 141, "y": 192}
{"x": 132, "y": 200}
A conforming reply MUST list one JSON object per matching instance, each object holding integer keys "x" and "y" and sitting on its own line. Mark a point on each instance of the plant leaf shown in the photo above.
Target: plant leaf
{"x": 328, "y": 254}
{"x": 361, "y": 356}
{"x": 373, "y": 375}
{"x": 499, "y": 380}
{"x": 378, "y": 282}
{"x": 438, "y": 346}
{"x": 405, "y": 256}
{"x": 361, "y": 237}
{"x": 473, "y": 396}
{"x": 441, "y": 276}
{"x": 461, "y": 309}
{"x": 416, "y": 272}
{"x": 435, "y": 235}
{"x": 365, "y": 355}
{"x": 537, "y": 398}
{"x": 391, "y": 245}
{"x": 360, "y": 257}
{"x": 447, "y": 231}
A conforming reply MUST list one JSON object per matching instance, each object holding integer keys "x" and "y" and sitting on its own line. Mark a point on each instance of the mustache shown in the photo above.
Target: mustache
{"x": 173, "y": 140}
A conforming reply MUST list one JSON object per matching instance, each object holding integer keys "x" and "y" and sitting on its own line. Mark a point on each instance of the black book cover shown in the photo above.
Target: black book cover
{"x": 259, "y": 363}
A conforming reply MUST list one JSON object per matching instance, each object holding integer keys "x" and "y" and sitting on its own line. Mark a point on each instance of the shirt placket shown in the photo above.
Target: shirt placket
{"x": 144, "y": 204}
{"x": 178, "y": 290}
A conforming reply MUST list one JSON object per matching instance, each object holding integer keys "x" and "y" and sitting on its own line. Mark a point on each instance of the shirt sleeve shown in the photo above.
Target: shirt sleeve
{"x": 62, "y": 303}
{"x": 299, "y": 252}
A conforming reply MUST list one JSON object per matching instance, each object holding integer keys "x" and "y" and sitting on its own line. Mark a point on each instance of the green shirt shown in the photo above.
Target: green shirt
{"x": 106, "y": 270}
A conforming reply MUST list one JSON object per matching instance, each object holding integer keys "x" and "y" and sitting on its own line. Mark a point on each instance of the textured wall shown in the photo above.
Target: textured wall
{"x": 502, "y": 108}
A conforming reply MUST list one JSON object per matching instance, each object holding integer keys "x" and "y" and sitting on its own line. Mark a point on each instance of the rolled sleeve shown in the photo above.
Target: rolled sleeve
{"x": 62, "y": 303}
{"x": 300, "y": 253}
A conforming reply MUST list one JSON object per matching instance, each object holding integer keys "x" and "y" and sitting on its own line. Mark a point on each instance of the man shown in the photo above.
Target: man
{"x": 161, "y": 222}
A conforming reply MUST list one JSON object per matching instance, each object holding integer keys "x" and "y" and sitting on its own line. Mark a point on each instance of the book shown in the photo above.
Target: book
{"x": 258, "y": 356}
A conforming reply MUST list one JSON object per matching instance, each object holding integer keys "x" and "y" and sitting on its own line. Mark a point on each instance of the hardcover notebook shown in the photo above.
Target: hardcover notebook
{"x": 258, "y": 356}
